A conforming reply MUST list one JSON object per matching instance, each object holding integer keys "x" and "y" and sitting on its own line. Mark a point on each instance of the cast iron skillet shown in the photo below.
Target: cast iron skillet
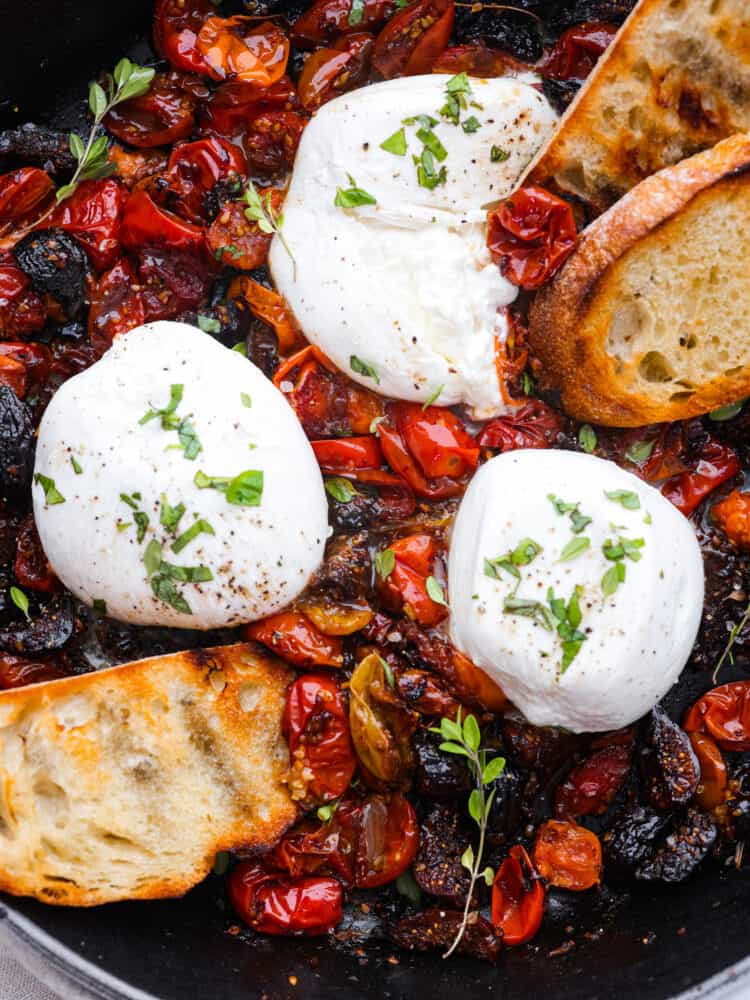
{"x": 653, "y": 941}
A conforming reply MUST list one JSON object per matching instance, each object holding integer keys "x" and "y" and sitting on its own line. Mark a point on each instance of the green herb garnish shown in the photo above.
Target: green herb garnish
{"x": 340, "y": 489}
{"x": 363, "y": 368}
{"x": 395, "y": 143}
{"x": 435, "y": 591}
{"x": 21, "y": 601}
{"x": 52, "y": 495}
{"x": 498, "y": 154}
{"x": 628, "y": 499}
{"x": 244, "y": 490}
{"x": 353, "y": 196}
{"x": 356, "y": 12}
{"x": 170, "y": 516}
{"x": 433, "y": 397}
{"x": 525, "y": 552}
{"x": 385, "y": 563}
{"x": 208, "y": 324}
{"x": 261, "y": 211}
{"x": 471, "y": 124}
{"x": 199, "y": 527}
{"x": 575, "y": 547}
{"x": 640, "y": 452}
{"x": 246, "y": 400}
{"x": 77, "y": 468}
{"x": 587, "y": 438}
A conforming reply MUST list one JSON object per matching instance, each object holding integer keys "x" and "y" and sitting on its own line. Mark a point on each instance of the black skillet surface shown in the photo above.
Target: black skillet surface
{"x": 653, "y": 942}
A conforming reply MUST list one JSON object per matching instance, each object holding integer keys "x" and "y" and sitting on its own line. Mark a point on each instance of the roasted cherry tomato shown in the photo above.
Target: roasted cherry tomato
{"x": 325, "y": 20}
{"x": 531, "y": 235}
{"x": 116, "y": 305}
{"x": 381, "y": 725}
{"x": 517, "y": 898}
{"x": 31, "y": 568}
{"x": 533, "y": 425}
{"x": 22, "y": 311}
{"x": 478, "y": 60}
{"x": 24, "y": 194}
{"x": 592, "y": 784}
{"x": 405, "y": 587}
{"x": 238, "y": 48}
{"x": 268, "y": 306}
{"x": 413, "y": 39}
{"x": 171, "y": 281}
{"x": 316, "y": 726}
{"x": 273, "y": 903}
{"x": 403, "y": 463}
{"x": 134, "y": 166}
{"x": 568, "y": 855}
{"x": 271, "y": 142}
{"x": 295, "y": 639}
{"x": 195, "y": 168}
{"x": 723, "y": 713}
{"x": 164, "y": 114}
{"x": 30, "y": 363}
{"x": 13, "y": 374}
{"x": 18, "y": 671}
{"x": 577, "y": 50}
{"x": 176, "y": 27}
{"x": 717, "y": 463}
{"x": 331, "y": 618}
{"x": 330, "y": 72}
{"x": 437, "y": 439}
{"x": 336, "y": 456}
{"x": 233, "y": 107}
{"x": 92, "y": 214}
{"x": 144, "y": 223}
{"x": 713, "y": 782}
{"x": 732, "y": 515}
{"x": 238, "y": 241}
{"x": 369, "y": 841}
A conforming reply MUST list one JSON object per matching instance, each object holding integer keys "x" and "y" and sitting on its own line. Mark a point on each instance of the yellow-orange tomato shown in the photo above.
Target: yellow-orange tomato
{"x": 235, "y": 48}
{"x": 336, "y": 619}
{"x": 270, "y": 307}
{"x": 568, "y": 855}
{"x": 732, "y": 515}
{"x": 713, "y": 783}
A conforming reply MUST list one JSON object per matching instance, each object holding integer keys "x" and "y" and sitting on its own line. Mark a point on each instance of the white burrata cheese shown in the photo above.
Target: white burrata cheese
{"x": 407, "y": 285}
{"x": 637, "y": 638}
{"x": 115, "y": 471}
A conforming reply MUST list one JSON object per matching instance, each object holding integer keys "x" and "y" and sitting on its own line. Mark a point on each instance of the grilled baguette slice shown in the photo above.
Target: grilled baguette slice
{"x": 649, "y": 319}
{"x": 124, "y": 783}
{"x": 675, "y": 81}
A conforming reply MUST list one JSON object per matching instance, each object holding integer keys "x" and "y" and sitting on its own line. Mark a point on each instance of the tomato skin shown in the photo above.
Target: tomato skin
{"x": 233, "y": 106}
{"x": 273, "y": 903}
{"x": 23, "y": 193}
{"x": 116, "y": 305}
{"x": 413, "y": 39}
{"x": 194, "y": 168}
{"x": 237, "y": 241}
{"x": 406, "y": 586}
{"x": 271, "y": 141}
{"x": 577, "y": 50}
{"x": 592, "y": 784}
{"x": 315, "y": 723}
{"x": 478, "y": 60}
{"x": 531, "y": 235}
{"x": 18, "y": 671}
{"x": 238, "y": 48}
{"x": 717, "y": 464}
{"x": 295, "y": 639}
{"x": 348, "y": 454}
{"x": 31, "y": 568}
{"x": 437, "y": 439}
{"x": 403, "y": 464}
{"x": 93, "y": 214}
{"x": 517, "y": 898}
{"x": 713, "y": 781}
{"x": 327, "y": 73}
{"x": 161, "y": 116}
{"x": 269, "y": 306}
{"x": 724, "y": 713}
{"x": 176, "y": 27}
{"x": 567, "y": 855}
{"x": 732, "y": 515}
{"x": 13, "y": 374}
{"x": 22, "y": 310}
{"x": 144, "y": 223}
{"x": 29, "y": 364}
{"x": 534, "y": 425}
{"x": 325, "y": 20}
{"x": 171, "y": 281}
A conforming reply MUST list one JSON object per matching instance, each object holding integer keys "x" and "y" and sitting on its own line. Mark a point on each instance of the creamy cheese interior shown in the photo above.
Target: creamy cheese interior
{"x": 406, "y": 285}
{"x": 639, "y": 624}
{"x": 227, "y": 536}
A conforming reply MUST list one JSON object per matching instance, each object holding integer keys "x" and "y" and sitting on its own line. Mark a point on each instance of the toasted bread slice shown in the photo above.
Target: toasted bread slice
{"x": 675, "y": 81}
{"x": 649, "y": 319}
{"x": 123, "y": 784}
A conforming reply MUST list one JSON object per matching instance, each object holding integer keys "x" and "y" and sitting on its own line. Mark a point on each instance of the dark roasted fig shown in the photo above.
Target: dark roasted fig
{"x": 443, "y": 839}
{"x": 541, "y": 748}
{"x": 738, "y": 802}
{"x": 682, "y": 851}
{"x": 263, "y": 347}
{"x": 575, "y": 11}
{"x": 671, "y": 771}
{"x": 506, "y": 812}
{"x": 560, "y": 92}
{"x": 436, "y": 928}
{"x": 56, "y": 265}
{"x": 426, "y": 693}
{"x": 346, "y": 568}
{"x": 631, "y": 841}
{"x": 41, "y": 146}
{"x": 16, "y": 446}
{"x": 371, "y": 507}
{"x": 438, "y": 775}
{"x": 509, "y": 29}
{"x": 50, "y": 629}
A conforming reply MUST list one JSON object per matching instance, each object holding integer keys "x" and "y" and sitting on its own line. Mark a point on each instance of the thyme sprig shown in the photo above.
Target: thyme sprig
{"x": 463, "y": 739}
{"x": 261, "y": 210}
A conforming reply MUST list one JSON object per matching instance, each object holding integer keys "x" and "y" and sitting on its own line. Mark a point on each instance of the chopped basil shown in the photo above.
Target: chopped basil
{"x": 513, "y": 605}
{"x": 525, "y": 552}
{"x": 200, "y": 527}
{"x": 20, "y": 600}
{"x": 428, "y": 139}
{"x": 457, "y": 89}
{"x": 578, "y": 521}
{"x": 100, "y": 606}
{"x": 728, "y": 411}
{"x": 374, "y": 424}
{"x": 325, "y": 813}
{"x": 241, "y": 348}
{"x": 244, "y": 490}
{"x": 246, "y": 400}
{"x": 406, "y": 884}
{"x": 166, "y": 591}
{"x": 425, "y": 121}
{"x": 76, "y": 465}
{"x": 395, "y": 143}
{"x": 617, "y": 552}
{"x": 141, "y": 522}
{"x": 433, "y": 397}
{"x": 152, "y": 557}
{"x": 458, "y": 84}
{"x": 575, "y": 547}
{"x": 428, "y": 176}
{"x": 340, "y": 489}
{"x": 208, "y": 324}
{"x": 471, "y": 124}
{"x": 189, "y": 440}
{"x": 186, "y": 574}
{"x": 168, "y": 420}
{"x": 611, "y": 580}
{"x": 363, "y": 368}
{"x": 123, "y": 525}
{"x": 527, "y": 384}
{"x": 587, "y": 438}
{"x": 640, "y": 452}
{"x": 356, "y": 12}
{"x": 52, "y": 495}
{"x": 555, "y": 615}
{"x": 627, "y": 498}
{"x": 435, "y": 591}
{"x": 385, "y": 563}
{"x": 131, "y": 499}
{"x": 170, "y": 516}
{"x": 498, "y": 154}
{"x": 353, "y": 196}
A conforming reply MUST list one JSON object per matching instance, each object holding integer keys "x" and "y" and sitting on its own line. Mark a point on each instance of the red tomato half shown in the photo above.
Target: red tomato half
{"x": 92, "y": 214}
{"x": 194, "y": 168}
{"x": 271, "y": 142}
{"x": 723, "y": 713}
{"x": 478, "y": 60}
{"x": 437, "y": 439}
{"x": 22, "y": 311}
{"x": 717, "y": 463}
{"x": 325, "y": 20}
{"x": 413, "y": 39}
{"x": 31, "y": 568}
{"x": 533, "y": 425}
{"x": 164, "y": 114}
{"x": 577, "y": 50}
{"x": 295, "y": 639}
{"x": 234, "y": 106}
{"x": 531, "y": 235}
{"x": 24, "y": 193}
{"x": 517, "y": 898}
{"x": 316, "y": 726}
{"x": 144, "y": 223}
{"x": 273, "y": 903}
{"x": 116, "y": 305}
{"x": 176, "y": 27}
{"x": 330, "y": 72}
{"x": 405, "y": 587}
{"x": 337, "y": 455}
{"x": 592, "y": 784}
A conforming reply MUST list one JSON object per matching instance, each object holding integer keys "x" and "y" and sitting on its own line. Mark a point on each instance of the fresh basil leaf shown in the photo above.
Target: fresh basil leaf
{"x": 152, "y": 557}
{"x": 141, "y": 522}
{"x": 498, "y": 154}
{"x": 166, "y": 591}
{"x": 435, "y": 591}
{"x": 640, "y": 452}
{"x": 587, "y": 438}
{"x": 52, "y": 495}
{"x": 340, "y": 489}
{"x": 385, "y": 563}
{"x": 727, "y": 412}
{"x": 208, "y": 324}
{"x": 170, "y": 516}
{"x": 199, "y": 527}
{"x": 396, "y": 143}
{"x": 575, "y": 547}
{"x": 471, "y": 124}
{"x": 20, "y": 600}
{"x": 628, "y": 499}
{"x": 77, "y": 468}
{"x": 246, "y": 489}
{"x": 356, "y": 12}
{"x": 363, "y": 368}
{"x": 353, "y": 196}
{"x": 246, "y": 400}
{"x": 428, "y": 138}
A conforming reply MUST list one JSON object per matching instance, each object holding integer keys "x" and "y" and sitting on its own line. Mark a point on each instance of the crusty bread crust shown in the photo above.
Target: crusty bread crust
{"x": 124, "y": 783}
{"x": 675, "y": 81}
{"x": 571, "y": 318}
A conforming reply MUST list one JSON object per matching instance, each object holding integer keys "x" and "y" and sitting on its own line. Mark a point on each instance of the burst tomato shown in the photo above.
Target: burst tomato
{"x": 164, "y": 114}
{"x": 273, "y": 903}
{"x": 724, "y": 713}
{"x": 238, "y": 48}
{"x": 268, "y": 306}
{"x": 144, "y": 223}
{"x": 568, "y": 855}
{"x": 592, "y": 784}
{"x": 336, "y": 456}
{"x": 136, "y": 165}
{"x": 271, "y": 141}
{"x": 531, "y": 235}
{"x": 295, "y": 639}
{"x": 533, "y": 425}
{"x": 413, "y": 39}
{"x": 238, "y": 241}
{"x": 437, "y": 439}
{"x": 478, "y": 60}
{"x": 31, "y": 568}
{"x": 325, "y": 20}
{"x": 316, "y": 726}
{"x": 92, "y": 214}
{"x": 330, "y": 72}
{"x": 234, "y": 106}
{"x": 717, "y": 463}
{"x": 577, "y": 50}
{"x": 22, "y": 311}
{"x": 415, "y": 559}
{"x": 13, "y": 374}
{"x": 732, "y": 515}
{"x": 713, "y": 781}
{"x": 517, "y": 898}
{"x": 403, "y": 463}
{"x": 28, "y": 362}
{"x": 193, "y": 170}
{"x": 18, "y": 671}
{"x": 116, "y": 305}
{"x": 171, "y": 281}
{"x": 176, "y": 27}
{"x": 24, "y": 194}
{"x": 381, "y": 726}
